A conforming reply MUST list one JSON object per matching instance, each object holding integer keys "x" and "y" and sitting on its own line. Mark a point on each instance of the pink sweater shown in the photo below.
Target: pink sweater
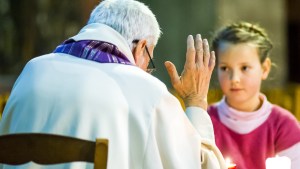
{"x": 249, "y": 150}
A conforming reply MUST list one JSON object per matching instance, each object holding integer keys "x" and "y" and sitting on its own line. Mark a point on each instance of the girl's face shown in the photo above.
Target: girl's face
{"x": 240, "y": 75}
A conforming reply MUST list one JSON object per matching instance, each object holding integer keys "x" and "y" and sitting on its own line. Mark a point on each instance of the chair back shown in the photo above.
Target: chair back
{"x": 16, "y": 149}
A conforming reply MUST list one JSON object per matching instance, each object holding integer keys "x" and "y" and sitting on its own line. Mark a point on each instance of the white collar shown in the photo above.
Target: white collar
{"x": 102, "y": 32}
{"x": 243, "y": 122}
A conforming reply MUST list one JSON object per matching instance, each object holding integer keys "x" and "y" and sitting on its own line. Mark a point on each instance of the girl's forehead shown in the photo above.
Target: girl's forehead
{"x": 237, "y": 52}
{"x": 225, "y": 46}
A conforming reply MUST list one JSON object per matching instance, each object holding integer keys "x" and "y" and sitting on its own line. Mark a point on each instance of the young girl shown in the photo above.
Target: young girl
{"x": 248, "y": 128}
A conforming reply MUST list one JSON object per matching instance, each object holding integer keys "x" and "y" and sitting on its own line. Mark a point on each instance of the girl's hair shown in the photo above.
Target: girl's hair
{"x": 244, "y": 32}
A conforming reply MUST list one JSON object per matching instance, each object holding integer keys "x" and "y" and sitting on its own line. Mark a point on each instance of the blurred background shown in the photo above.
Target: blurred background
{"x": 29, "y": 28}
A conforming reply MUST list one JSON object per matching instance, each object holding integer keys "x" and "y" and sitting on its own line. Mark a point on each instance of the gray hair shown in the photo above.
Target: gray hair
{"x": 132, "y": 19}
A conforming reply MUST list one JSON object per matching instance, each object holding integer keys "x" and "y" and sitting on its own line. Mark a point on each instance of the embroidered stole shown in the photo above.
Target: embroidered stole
{"x": 99, "y": 51}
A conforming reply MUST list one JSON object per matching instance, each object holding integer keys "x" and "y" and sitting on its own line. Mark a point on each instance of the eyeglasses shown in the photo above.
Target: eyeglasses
{"x": 152, "y": 68}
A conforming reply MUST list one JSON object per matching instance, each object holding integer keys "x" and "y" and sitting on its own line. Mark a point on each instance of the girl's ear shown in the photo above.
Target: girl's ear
{"x": 266, "y": 67}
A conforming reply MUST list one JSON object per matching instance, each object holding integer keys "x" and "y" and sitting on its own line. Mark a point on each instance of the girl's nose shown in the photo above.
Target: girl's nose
{"x": 234, "y": 77}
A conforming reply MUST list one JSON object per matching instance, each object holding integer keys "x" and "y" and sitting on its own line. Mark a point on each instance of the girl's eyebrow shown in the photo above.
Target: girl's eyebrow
{"x": 228, "y": 64}
{"x": 224, "y": 63}
{"x": 244, "y": 63}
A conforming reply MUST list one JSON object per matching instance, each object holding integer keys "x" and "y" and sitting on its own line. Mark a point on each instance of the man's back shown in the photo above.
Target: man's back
{"x": 62, "y": 94}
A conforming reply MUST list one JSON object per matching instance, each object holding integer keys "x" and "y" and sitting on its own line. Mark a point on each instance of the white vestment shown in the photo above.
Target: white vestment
{"x": 145, "y": 124}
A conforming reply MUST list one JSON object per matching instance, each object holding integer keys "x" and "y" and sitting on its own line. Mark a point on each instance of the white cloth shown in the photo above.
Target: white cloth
{"x": 145, "y": 124}
{"x": 210, "y": 154}
{"x": 205, "y": 127}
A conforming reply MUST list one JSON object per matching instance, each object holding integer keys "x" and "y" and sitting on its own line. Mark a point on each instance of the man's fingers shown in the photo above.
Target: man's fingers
{"x": 206, "y": 57}
{"x": 190, "y": 52}
{"x": 212, "y": 60}
{"x": 199, "y": 49}
{"x": 175, "y": 79}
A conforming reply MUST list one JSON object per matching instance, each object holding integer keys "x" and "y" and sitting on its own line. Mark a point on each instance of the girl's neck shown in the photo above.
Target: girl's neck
{"x": 248, "y": 106}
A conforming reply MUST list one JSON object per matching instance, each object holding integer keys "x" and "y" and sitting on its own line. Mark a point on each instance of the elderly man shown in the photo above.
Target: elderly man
{"x": 96, "y": 84}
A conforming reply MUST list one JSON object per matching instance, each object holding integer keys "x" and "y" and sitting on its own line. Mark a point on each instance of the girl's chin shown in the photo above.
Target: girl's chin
{"x": 234, "y": 100}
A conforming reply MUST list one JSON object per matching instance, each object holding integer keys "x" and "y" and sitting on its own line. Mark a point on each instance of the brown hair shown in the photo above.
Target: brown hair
{"x": 244, "y": 32}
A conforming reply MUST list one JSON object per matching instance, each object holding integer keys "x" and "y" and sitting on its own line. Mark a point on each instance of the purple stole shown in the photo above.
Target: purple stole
{"x": 99, "y": 51}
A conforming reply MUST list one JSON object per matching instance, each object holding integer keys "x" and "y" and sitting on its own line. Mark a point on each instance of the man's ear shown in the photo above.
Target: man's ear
{"x": 266, "y": 67}
{"x": 138, "y": 51}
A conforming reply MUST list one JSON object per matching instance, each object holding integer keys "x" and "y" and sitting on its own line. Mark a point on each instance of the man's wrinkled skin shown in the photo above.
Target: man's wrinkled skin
{"x": 193, "y": 83}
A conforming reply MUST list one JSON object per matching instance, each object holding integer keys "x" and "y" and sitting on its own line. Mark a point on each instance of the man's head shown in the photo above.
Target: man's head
{"x": 134, "y": 21}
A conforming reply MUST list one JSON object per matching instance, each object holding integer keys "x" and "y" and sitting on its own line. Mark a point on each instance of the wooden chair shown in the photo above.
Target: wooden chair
{"x": 16, "y": 149}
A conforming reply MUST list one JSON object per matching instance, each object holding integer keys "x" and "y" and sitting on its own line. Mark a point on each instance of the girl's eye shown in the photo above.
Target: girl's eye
{"x": 245, "y": 68}
{"x": 223, "y": 68}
